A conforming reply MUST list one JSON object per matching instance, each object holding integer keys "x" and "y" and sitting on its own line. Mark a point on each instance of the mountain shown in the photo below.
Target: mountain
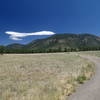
{"x": 61, "y": 41}
{"x": 66, "y": 41}
{"x": 15, "y": 46}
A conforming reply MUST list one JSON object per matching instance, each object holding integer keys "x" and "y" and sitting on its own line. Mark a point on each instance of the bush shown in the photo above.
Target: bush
{"x": 81, "y": 79}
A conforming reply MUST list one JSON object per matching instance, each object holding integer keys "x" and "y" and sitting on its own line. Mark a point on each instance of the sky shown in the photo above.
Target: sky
{"x": 22, "y": 21}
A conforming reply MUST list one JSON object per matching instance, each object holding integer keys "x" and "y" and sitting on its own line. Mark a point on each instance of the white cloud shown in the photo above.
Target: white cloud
{"x": 19, "y": 36}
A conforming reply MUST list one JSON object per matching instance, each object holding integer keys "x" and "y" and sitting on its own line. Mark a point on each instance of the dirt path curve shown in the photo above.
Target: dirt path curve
{"x": 91, "y": 89}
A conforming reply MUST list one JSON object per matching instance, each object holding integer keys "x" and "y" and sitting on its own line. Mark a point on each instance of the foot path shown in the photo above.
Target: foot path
{"x": 91, "y": 89}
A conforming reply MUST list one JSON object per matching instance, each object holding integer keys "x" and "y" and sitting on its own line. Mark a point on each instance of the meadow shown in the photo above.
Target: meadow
{"x": 91, "y": 53}
{"x": 51, "y": 76}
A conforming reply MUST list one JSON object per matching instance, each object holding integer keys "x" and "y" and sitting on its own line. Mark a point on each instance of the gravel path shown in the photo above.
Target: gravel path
{"x": 91, "y": 89}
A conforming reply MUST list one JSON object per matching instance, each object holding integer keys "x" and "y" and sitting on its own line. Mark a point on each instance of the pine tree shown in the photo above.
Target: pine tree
{"x": 1, "y": 50}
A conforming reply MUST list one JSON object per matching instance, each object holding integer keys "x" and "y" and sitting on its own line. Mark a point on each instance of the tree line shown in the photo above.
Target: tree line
{"x": 3, "y": 50}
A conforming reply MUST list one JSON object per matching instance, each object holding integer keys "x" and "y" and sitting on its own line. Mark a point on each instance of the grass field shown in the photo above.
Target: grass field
{"x": 42, "y": 76}
{"x": 91, "y": 53}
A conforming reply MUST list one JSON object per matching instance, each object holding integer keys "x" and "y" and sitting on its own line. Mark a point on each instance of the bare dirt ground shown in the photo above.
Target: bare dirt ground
{"x": 91, "y": 89}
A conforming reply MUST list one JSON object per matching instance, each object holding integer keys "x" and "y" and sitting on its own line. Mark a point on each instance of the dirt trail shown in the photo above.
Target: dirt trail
{"x": 91, "y": 89}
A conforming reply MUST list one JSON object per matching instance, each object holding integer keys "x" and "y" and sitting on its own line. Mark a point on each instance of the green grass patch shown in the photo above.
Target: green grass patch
{"x": 81, "y": 79}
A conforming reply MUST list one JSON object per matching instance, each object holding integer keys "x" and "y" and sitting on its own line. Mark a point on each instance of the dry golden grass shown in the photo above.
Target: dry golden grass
{"x": 41, "y": 76}
{"x": 91, "y": 53}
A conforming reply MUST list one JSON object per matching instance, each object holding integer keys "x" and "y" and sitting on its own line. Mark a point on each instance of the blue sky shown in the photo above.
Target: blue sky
{"x": 58, "y": 16}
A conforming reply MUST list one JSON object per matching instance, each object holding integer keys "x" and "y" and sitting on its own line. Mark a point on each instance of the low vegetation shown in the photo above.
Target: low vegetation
{"x": 92, "y": 53}
{"x": 81, "y": 79}
{"x": 42, "y": 76}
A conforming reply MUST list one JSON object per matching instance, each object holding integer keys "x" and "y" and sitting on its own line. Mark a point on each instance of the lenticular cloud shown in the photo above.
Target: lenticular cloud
{"x": 19, "y": 36}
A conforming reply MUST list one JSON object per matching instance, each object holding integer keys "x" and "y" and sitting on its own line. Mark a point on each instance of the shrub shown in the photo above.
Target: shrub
{"x": 81, "y": 79}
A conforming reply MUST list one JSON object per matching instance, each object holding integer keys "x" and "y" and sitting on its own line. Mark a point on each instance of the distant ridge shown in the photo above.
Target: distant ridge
{"x": 15, "y": 46}
{"x": 66, "y": 41}
{"x": 62, "y": 42}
